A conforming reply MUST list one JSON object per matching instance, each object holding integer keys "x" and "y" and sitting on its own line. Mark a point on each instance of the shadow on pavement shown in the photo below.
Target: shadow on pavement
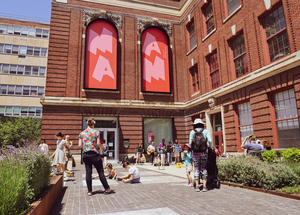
{"x": 58, "y": 205}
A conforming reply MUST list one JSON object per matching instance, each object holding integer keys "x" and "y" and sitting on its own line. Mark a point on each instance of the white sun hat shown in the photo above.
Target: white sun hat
{"x": 198, "y": 121}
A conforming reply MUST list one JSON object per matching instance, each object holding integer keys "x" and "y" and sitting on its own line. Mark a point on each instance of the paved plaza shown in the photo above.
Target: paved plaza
{"x": 164, "y": 192}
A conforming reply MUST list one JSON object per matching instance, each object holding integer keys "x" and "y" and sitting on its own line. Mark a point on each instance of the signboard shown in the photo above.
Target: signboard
{"x": 101, "y": 56}
{"x": 155, "y": 61}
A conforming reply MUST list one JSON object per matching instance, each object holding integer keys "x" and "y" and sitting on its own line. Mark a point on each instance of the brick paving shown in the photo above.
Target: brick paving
{"x": 167, "y": 194}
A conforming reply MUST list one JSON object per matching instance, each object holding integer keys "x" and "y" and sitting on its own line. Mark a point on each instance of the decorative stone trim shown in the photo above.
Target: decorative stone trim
{"x": 143, "y": 23}
{"x": 91, "y": 15}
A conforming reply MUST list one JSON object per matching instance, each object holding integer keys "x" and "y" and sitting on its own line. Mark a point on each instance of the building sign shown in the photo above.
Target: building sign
{"x": 101, "y": 56}
{"x": 155, "y": 61}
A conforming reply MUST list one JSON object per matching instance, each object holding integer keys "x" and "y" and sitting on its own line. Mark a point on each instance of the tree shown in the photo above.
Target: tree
{"x": 17, "y": 130}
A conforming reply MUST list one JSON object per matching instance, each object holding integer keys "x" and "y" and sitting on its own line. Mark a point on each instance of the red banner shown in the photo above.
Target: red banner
{"x": 155, "y": 61}
{"x": 101, "y": 56}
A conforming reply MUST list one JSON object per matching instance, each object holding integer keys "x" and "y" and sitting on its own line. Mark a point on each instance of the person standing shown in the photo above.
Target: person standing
{"x": 44, "y": 147}
{"x": 200, "y": 140}
{"x": 187, "y": 156}
{"x": 59, "y": 155}
{"x": 162, "y": 150}
{"x": 177, "y": 150}
{"x": 89, "y": 141}
{"x": 69, "y": 155}
{"x": 170, "y": 150}
{"x": 151, "y": 151}
{"x": 104, "y": 153}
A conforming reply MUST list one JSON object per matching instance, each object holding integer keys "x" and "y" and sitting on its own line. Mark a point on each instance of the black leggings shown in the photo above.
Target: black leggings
{"x": 89, "y": 159}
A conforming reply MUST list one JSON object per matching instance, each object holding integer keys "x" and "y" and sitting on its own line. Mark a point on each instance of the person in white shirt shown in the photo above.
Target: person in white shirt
{"x": 133, "y": 174}
{"x": 151, "y": 151}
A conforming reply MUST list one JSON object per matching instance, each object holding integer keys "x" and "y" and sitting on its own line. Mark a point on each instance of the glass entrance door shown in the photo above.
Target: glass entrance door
{"x": 110, "y": 137}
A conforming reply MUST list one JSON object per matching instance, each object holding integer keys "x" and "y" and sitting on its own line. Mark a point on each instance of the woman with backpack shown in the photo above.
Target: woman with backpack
{"x": 200, "y": 140}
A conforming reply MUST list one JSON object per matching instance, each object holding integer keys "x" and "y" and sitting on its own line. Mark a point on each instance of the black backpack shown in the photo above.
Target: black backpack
{"x": 199, "y": 142}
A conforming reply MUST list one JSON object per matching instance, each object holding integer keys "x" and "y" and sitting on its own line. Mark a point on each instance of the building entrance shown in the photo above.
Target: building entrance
{"x": 217, "y": 134}
{"x": 109, "y": 131}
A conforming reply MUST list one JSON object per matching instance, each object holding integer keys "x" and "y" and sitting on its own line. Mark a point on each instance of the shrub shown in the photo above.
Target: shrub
{"x": 250, "y": 171}
{"x": 269, "y": 155}
{"x": 295, "y": 166}
{"x": 24, "y": 173}
{"x": 290, "y": 190}
{"x": 291, "y": 155}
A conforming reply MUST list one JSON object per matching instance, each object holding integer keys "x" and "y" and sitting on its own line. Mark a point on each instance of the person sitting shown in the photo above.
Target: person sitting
{"x": 44, "y": 147}
{"x": 250, "y": 144}
{"x": 133, "y": 174}
{"x": 112, "y": 173}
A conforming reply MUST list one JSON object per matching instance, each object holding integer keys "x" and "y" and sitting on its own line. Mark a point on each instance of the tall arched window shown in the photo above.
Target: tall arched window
{"x": 155, "y": 61}
{"x": 101, "y": 56}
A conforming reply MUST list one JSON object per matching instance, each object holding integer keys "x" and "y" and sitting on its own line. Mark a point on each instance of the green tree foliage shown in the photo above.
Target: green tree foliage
{"x": 18, "y": 130}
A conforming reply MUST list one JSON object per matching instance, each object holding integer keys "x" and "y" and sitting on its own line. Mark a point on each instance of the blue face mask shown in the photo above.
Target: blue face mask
{"x": 199, "y": 129}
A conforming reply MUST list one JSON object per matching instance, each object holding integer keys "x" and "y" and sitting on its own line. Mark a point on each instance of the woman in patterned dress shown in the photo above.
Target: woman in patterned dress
{"x": 89, "y": 140}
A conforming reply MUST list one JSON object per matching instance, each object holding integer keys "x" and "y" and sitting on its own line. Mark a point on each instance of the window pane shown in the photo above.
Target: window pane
{"x": 36, "y": 51}
{"x": 3, "y": 29}
{"x": 15, "y": 49}
{"x": 13, "y": 69}
{"x": 42, "y": 71}
{"x": 274, "y": 22}
{"x": 245, "y": 115}
{"x": 21, "y": 70}
{"x": 278, "y": 46}
{"x": 8, "y": 111}
{"x": 29, "y": 50}
{"x": 24, "y": 31}
{"x": 18, "y": 90}
{"x": 2, "y": 110}
{"x": 26, "y": 90}
{"x": 38, "y": 111}
{"x": 7, "y": 49}
{"x": 41, "y": 91}
{"x": 232, "y": 5}
{"x": 31, "y": 32}
{"x": 45, "y": 33}
{"x": 17, "y": 30}
{"x": 5, "y": 68}
{"x": 44, "y": 52}
{"x": 3, "y": 89}
{"x": 32, "y": 111}
{"x": 1, "y": 67}
{"x": 11, "y": 89}
{"x": 35, "y": 70}
{"x": 17, "y": 111}
{"x": 1, "y": 48}
{"x": 10, "y": 29}
{"x": 24, "y": 111}
{"x": 23, "y": 50}
{"x": 33, "y": 91}
{"x": 28, "y": 70}
{"x": 38, "y": 32}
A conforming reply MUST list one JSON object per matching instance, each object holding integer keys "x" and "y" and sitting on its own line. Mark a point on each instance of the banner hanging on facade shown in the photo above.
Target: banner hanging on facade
{"x": 155, "y": 61}
{"x": 101, "y": 56}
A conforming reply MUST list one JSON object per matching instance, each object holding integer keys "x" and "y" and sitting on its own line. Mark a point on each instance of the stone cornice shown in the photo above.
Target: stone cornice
{"x": 288, "y": 62}
{"x": 90, "y": 15}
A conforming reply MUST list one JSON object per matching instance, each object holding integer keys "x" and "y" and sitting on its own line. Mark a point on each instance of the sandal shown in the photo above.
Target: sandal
{"x": 107, "y": 192}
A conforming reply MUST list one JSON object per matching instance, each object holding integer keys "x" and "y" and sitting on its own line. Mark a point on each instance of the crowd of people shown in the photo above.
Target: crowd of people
{"x": 195, "y": 155}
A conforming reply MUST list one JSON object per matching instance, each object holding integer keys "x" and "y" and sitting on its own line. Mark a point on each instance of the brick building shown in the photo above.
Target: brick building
{"x": 146, "y": 69}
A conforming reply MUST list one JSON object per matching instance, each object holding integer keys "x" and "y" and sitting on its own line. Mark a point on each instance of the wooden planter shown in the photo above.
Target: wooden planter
{"x": 49, "y": 197}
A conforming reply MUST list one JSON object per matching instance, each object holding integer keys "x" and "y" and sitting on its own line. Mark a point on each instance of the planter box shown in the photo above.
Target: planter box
{"x": 286, "y": 195}
{"x": 49, "y": 197}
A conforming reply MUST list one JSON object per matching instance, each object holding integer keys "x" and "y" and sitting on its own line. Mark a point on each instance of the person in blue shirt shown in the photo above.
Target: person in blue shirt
{"x": 250, "y": 144}
{"x": 200, "y": 140}
{"x": 187, "y": 156}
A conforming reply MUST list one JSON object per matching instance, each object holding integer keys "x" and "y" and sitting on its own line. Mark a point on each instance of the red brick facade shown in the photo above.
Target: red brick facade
{"x": 66, "y": 62}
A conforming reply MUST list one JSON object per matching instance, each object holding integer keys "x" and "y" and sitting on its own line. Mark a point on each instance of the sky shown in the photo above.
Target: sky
{"x": 30, "y": 10}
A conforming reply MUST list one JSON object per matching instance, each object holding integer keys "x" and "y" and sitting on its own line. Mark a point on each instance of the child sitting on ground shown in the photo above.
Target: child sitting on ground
{"x": 133, "y": 174}
{"x": 112, "y": 173}
{"x": 187, "y": 156}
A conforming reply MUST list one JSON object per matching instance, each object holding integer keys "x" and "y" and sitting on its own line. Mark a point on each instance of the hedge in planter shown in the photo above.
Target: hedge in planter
{"x": 24, "y": 173}
{"x": 250, "y": 171}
